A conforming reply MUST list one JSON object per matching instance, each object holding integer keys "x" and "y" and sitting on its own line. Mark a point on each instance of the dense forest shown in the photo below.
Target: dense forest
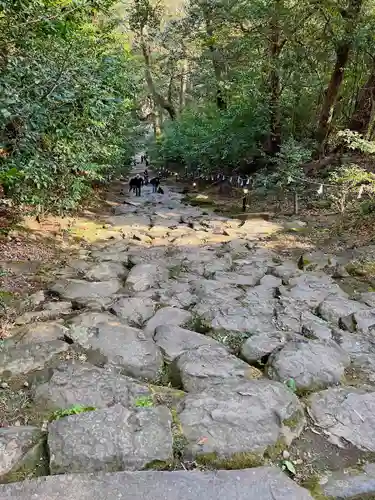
{"x": 229, "y": 85}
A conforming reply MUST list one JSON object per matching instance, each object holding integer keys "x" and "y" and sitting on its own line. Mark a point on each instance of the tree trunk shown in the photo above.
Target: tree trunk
{"x": 215, "y": 58}
{"x": 158, "y": 98}
{"x": 363, "y": 114}
{"x": 183, "y": 85}
{"x": 276, "y": 45}
{"x": 350, "y": 16}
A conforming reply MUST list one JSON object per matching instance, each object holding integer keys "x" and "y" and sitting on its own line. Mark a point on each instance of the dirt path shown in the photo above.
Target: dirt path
{"x": 179, "y": 342}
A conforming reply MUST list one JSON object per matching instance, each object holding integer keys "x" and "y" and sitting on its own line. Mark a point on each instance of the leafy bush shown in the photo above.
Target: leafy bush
{"x": 67, "y": 96}
{"x": 349, "y": 180}
{"x": 212, "y": 139}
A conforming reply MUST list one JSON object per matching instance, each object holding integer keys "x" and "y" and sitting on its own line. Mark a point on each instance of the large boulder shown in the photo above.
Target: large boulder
{"x": 106, "y": 271}
{"x": 172, "y": 316}
{"x": 261, "y": 483}
{"x": 110, "y": 439}
{"x": 312, "y": 364}
{"x": 247, "y": 417}
{"x": 259, "y": 345}
{"x": 206, "y": 366}
{"x": 134, "y": 310}
{"x": 346, "y": 414}
{"x": 21, "y": 450}
{"x": 107, "y": 340}
{"x": 41, "y": 331}
{"x": 85, "y": 291}
{"x": 334, "y": 308}
{"x": 173, "y": 341}
{"x": 312, "y": 289}
{"x": 86, "y": 385}
{"x": 25, "y": 362}
{"x": 355, "y": 484}
{"x": 145, "y": 276}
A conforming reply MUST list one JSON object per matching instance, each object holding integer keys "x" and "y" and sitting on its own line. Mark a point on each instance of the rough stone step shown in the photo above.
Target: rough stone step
{"x": 263, "y": 483}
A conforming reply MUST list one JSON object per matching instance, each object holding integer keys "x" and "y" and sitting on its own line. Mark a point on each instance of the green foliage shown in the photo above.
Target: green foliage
{"x": 291, "y": 385}
{"x": 287, "y": 172}
{"x": 288, "y": 466}
{"x": 67, "y": 82}
{"x": 349, "y": 180}
{"x": 206, "y": 138}
{"x": 74, "y": 410}
{"x": 144, "y": 402}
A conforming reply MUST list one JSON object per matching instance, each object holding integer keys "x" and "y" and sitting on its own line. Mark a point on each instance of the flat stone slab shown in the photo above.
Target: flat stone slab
{"x": 242, "y": 417}
{"x": 40, "y": 331}
{"x": 106, "y": 271}
{"x": 20, "y": 448}
{"x": 351, "y": 484}
{"x": 334, "y": 308}
{"x": 312, "y": 364}
{"x": 107, "y": 340}
{"x": 206, "y": 366}
{"x": 86, "y": 385}
{"x": 110, "y": 439}
{"x": 173, "y": 341}
{"x": 346, "y": 414}
{"x": 167, "y": 316}
{"x": 261, "y": 483}
{"x": 84, "y": 291}
{"x": 18, "y": 362}
{"x": 145, "y": 276}
{"x": 134, "y": 310}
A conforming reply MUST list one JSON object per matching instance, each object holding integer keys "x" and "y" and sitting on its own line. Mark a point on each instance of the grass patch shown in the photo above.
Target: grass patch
{"x": 242, "y": 460}
{"x": 74, "y": 410}
{"x": 232, "y": 341}
{"x": 144, "y": 402}
{"x": 198, "y": 324}
{"x": 179, "y": 439}
{"x": 294, "y": 421}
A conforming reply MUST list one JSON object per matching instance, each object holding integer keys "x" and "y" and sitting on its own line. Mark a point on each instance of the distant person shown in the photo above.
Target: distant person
{"x": 147, "y": 161}
{"x": 145, "y": 176}
{"x": 135, "y": 184}
{"x": 160, "y": 190}
{"x": 155, "y": 183}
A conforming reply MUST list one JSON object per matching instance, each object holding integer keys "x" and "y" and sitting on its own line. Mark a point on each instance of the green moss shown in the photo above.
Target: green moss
{"x": 275, "y": 450}
{"x": 242, "y": 460}
{"x": 34, "y": 464}
{"x": 198, "y": 324}
{"x": 294, "y": 420}
{"x": 163, "y": 376}
{"x": 160, "y": 465}
{"x": 313, "y": 485}
{"x": 179, "y": 439}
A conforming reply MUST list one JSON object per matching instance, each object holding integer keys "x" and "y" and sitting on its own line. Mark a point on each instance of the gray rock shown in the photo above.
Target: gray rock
{"x": 364, "y": 321}
{"x": 351, "y": 484}
{"x": 110, "y": 439}
{"x": 261, "y": 483}
{"x": 107, "y": 340}
{"x": 111, "y": 254}
{"x": 27, "y": 360}
{"x": 332, "y": 309}
{"x": 206, "y": 366}
{"x": 214, "y": 290}
{"x": 242, "y": 417}
{"x": 173, "y": 341}
{"x": 167, "y": 316}
{"x": 106, "y": 271}
{"x": 134, "y": 310}
{"x": 40, "y": 332}
{"x": 312, "y": 364}
{"x": 130, "y": 222}
{"x": 176, "y": 294}
{"x": 84, "y": 291}
{"x": 286, "y": 270}
{"x": 86, "y": 385}
{"x": 312, "y": 289}
{"x": 20, "y": 448}
{"x": 145, "y": 276}
{"x": 50, "y": 311}
{"x": 346, "y": 414}
{"x": 259, "y": 345}
{"x": 368, "y": 298}
{"x": 238, "y": 279}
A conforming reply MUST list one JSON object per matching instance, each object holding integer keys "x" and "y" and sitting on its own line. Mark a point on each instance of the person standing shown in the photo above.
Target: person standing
{"x": 155, "y": 182}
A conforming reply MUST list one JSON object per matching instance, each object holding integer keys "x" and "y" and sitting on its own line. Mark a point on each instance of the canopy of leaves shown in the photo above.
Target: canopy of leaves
{"x": 68, "y": 84}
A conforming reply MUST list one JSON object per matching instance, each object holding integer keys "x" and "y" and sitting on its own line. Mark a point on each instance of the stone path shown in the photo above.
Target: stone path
{"x": 182, "y": 345}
